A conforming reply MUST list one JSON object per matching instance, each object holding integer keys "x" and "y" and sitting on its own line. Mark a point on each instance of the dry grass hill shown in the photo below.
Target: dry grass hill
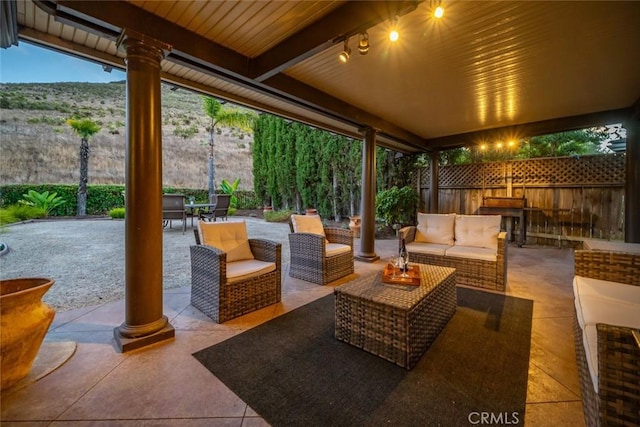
{"x": 37, "y": 146}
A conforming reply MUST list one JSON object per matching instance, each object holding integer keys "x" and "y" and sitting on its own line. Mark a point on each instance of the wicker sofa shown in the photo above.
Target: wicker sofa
{"x": 472, "y": 244}
{"x": 606, "y": 288}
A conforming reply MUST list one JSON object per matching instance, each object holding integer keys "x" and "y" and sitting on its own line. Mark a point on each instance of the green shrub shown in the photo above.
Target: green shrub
{"x": 6, "y": 217}
{"x": 397, "y": 205}
{"x": 47, "y": 202}
{"x": 20, "y": 212}
{"x": 25, "y": 212}
{"x": 102, "y": 198}
{"x": 230, "y": 188}
{"x": 277, "y": 216}
{"x": 116, "y": 213}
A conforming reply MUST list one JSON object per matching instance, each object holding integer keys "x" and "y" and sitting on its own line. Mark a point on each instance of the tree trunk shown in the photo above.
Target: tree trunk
{"x": 352, "y": 196}
{"x": 212, "y": 179}
{"x": 211, "y": 165}
{"x": 336, "y": 209}
{"x": 84, "y": 177}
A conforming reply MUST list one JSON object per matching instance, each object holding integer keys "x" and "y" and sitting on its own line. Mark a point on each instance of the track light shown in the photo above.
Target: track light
{"x": 346, "y": 52}
{"x": 363, "y": 45}
{"x": 393, "y": 35}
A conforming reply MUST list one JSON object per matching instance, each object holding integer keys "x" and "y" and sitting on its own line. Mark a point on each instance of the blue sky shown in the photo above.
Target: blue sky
{"x": 28, "y": 63}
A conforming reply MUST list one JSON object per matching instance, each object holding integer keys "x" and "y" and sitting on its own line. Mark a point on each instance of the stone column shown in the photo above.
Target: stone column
{"x": 433, "y": 181}
{"x": 368, "y": 201}
{"x": 632, "y": 184}
{"x": 144, "y": 322}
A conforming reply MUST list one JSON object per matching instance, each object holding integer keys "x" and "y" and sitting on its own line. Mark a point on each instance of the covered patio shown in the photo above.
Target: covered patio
{"x": 486, "y": 72}
{"x": 165, "y": 385}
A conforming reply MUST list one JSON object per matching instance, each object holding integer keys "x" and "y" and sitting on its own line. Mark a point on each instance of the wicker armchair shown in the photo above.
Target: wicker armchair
{"x": 617, "y": 399}
{"x": 222, "y": 297}
{"x": 309, "y": 258}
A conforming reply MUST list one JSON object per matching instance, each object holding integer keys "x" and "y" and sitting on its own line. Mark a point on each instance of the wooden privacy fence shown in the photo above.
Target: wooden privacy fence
{"x": 567, "y": 197}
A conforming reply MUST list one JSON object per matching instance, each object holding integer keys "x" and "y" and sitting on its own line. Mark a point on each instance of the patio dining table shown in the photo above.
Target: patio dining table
{"x": 190, "y": 208}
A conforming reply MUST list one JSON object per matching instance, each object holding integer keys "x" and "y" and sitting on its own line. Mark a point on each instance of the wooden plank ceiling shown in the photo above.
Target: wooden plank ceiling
{"x": 486, "y": 70}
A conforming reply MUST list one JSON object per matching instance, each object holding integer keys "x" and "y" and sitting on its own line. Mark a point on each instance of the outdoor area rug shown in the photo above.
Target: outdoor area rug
{"x": 292, "y": 371}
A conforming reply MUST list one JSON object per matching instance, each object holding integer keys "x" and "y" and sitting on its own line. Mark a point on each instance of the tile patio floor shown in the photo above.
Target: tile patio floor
{"x": 163, "y": 385}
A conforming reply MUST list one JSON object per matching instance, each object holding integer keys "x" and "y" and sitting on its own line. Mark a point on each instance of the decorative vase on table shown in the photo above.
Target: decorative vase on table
{"x": 24, "y": 321}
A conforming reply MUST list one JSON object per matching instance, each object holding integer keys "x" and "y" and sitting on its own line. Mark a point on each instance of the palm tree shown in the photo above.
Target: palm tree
{"x": 224, "y": 116}
{"x": 85, "y": 128}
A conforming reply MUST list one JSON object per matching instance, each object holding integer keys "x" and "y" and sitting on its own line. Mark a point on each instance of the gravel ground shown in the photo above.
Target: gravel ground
{"x": 86, "y": 257}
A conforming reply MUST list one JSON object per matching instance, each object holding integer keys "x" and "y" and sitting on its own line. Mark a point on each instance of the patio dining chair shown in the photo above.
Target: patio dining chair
{"x": 220, "y": 210}
{"x": 319, "y": 254}
{"x": 232, "y": 275}
{"x": 173, "y": 208}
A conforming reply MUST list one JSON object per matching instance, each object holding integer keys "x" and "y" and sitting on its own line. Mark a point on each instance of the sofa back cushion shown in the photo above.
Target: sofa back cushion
{"x": 230, "y": 237}
{"x": 480, "y": 231}
{"x": 435, "y": 228}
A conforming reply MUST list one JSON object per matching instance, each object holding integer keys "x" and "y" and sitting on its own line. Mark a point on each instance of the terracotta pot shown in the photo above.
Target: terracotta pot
{"x": 312, "y": 211}
{"x": 354, "y": 225}
{"x": 267, "y": 209}
{"x": 24, "y": 321}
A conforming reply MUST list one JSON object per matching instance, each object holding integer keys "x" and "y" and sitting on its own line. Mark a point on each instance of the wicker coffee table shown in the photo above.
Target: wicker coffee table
{"x": 397, "y": 323}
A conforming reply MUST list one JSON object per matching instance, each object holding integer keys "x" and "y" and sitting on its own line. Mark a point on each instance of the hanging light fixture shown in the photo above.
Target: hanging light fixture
{"x": 363, "y": 45}
{"x": 346, "y": 52}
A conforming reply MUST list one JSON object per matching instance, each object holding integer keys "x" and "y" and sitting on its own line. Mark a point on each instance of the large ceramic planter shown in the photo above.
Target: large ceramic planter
{"x": 354, "y": 225}
{"x": 24, "y": 321}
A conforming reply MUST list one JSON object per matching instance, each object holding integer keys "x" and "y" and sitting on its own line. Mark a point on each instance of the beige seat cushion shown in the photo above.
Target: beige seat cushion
{"x": 472, "y": 252}
{"x": 480, "y": 231}
{"x": 435, "y": 228}
{"x": 230, "y": 237}
{"x": 601, "y": 301}
{"x": 240, "y": 271}
{"x": 427, "y": 248}
{"x": 336, "y": 249}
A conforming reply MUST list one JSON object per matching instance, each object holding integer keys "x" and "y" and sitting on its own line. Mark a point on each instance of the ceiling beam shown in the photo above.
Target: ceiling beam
{"x": 48, "y": 41}
{"x": 240, "y": 100}
{"x": 543, "y": 127}
{"x": 347, "y": 20}
{"x": 326, "y": 104}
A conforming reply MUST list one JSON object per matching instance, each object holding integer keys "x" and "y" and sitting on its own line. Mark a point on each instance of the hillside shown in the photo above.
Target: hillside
{"x": 37, "y": 146}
